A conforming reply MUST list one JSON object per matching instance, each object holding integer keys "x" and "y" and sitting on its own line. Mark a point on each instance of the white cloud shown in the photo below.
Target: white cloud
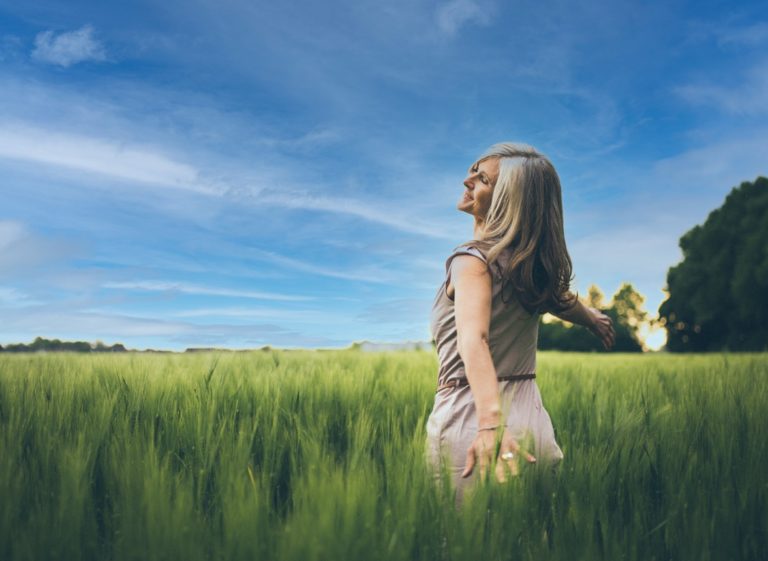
{"x": 171, "y": 286}
{"x": 66, "y": 49}
{"x": 454, "y": 14}
{"x": 97, "y": 155}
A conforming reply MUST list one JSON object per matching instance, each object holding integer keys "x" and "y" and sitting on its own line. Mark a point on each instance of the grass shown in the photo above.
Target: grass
{"x": 320, "y": 455}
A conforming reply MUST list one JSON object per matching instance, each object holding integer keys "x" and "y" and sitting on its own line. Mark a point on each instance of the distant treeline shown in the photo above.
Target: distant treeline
{"x": 41, "y": 344}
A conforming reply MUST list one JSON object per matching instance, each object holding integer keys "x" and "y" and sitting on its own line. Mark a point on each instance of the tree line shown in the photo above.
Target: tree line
{"x": 41, "y": 344}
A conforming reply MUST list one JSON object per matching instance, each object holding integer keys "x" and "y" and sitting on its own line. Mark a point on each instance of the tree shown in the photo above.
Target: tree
{"x": 718, "y": 293}
{"x": 627, "y": 314}
{"x": 595, "y": 297}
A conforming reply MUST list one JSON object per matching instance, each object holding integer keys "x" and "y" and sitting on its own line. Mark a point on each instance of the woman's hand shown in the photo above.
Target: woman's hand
{"x": 482, "y": 450}
{"x": 602, "y": 327}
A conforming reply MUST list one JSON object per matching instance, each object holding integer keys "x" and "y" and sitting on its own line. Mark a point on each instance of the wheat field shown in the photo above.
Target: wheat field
{"x": 314, "y": 455}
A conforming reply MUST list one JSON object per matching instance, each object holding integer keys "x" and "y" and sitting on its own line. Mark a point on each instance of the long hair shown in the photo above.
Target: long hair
{"x": 526, "y": 216}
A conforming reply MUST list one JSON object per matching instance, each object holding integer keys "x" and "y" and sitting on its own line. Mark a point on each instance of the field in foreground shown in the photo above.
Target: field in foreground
{"x": 319, "y": 455}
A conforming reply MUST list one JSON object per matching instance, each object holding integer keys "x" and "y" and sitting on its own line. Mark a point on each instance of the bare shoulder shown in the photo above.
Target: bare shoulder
{"x": 470, "y": 265}
{"x": 467, "y": 271}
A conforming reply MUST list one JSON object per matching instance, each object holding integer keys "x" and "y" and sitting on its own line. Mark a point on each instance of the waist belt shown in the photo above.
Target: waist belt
{"x": 457, "y": 382}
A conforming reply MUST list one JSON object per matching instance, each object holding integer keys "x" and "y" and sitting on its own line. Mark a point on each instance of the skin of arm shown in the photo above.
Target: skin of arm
{"x": 578, "y": 314}
{"x": 472, "y": 305}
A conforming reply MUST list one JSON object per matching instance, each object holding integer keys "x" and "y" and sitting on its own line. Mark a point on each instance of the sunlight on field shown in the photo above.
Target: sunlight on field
{"x": 320, "y": 455}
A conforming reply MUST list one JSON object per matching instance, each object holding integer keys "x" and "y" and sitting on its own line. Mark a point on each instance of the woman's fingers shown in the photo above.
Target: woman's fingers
{"x": 509, "y": 458}
{"x": 501, "y": 475}
{"x": 483, "y": 462}
{"x": 480, "y": 456}
{"x": 512, "y": 464}
{"x": 469, "y": 465}
{"x": 604, "y": 329}
{"x": 530, "y": 457}
{"x": 608, "y": 339}
{"x": 477, "y": 456}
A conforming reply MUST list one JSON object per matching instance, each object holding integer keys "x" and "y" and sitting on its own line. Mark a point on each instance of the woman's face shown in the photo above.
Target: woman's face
{"x": 478, "y": 188}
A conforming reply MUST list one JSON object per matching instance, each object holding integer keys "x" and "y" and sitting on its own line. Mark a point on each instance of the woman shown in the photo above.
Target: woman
{"x": 486, "y": 314}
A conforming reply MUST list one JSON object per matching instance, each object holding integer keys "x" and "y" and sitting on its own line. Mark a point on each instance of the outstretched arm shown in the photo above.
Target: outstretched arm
{"x": 594, "y": 320}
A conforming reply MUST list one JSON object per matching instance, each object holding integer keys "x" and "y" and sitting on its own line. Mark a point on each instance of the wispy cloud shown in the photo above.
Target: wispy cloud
{"x": 149, "y": 165}
{"x": 22, "y": 249}
{"x": 312, "y": 316}
{"x": 370, "y": 211}
{"x": 171, "y": 286}
{"x": 718, "y": 165}
{"x": 397, "y": 311}
{"x": 751, "y": 35}
{"x": 97, "y": 155}
{"x": 731, "y": 33}
{"x": 11, "y": 297}
{"x": 749, "y": 97}
{"x": 68, "y": 48}
{"x": 454, "y": 14}
{"x": 11, "y": 47}
{"x": 11, "y": 231}
{"x": 374, "y": 276}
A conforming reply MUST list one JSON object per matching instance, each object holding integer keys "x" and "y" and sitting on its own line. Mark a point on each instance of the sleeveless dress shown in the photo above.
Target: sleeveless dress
{"x": 512, "y": 338}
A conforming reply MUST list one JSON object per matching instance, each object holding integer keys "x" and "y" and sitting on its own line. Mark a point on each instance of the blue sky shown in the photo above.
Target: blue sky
{"x": 239, "y": 174}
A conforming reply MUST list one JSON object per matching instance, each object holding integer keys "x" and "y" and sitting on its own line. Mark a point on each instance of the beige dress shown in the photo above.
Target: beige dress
{"x": 513, "y": 335}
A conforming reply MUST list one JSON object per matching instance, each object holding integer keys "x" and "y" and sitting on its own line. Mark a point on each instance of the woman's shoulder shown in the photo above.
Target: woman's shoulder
{"x": 467, "y": 248}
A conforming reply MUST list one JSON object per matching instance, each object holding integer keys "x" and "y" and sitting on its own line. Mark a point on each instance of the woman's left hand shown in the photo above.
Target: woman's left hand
{"x": 602, "y": 328}
{"x": 482, "y": 449}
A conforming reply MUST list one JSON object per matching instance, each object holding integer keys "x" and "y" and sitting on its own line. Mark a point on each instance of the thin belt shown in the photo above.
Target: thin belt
{"x": 457, "y": 382}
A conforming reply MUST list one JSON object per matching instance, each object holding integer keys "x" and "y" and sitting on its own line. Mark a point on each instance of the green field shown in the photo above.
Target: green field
{"x": 319, "y": 455}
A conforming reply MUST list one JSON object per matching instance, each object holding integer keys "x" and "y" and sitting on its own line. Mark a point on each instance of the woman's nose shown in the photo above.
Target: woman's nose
{"x": 468, "y": 184}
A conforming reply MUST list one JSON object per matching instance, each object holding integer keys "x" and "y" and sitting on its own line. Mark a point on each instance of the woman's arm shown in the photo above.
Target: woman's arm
{"x": 596, "y": 321}
{"x": 472, "y": 305}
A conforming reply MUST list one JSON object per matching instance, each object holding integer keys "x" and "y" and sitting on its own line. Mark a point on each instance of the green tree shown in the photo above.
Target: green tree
{"x": 718, "y": 293}
{"x": 595, "y": 297}
{"x": 628, "y": 315}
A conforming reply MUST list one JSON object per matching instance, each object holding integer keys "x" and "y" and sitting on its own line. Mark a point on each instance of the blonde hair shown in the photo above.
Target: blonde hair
{"x": 526, "y": 215}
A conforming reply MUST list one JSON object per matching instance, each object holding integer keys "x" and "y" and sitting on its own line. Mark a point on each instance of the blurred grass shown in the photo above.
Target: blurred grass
{"x": 320, "y": 455}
